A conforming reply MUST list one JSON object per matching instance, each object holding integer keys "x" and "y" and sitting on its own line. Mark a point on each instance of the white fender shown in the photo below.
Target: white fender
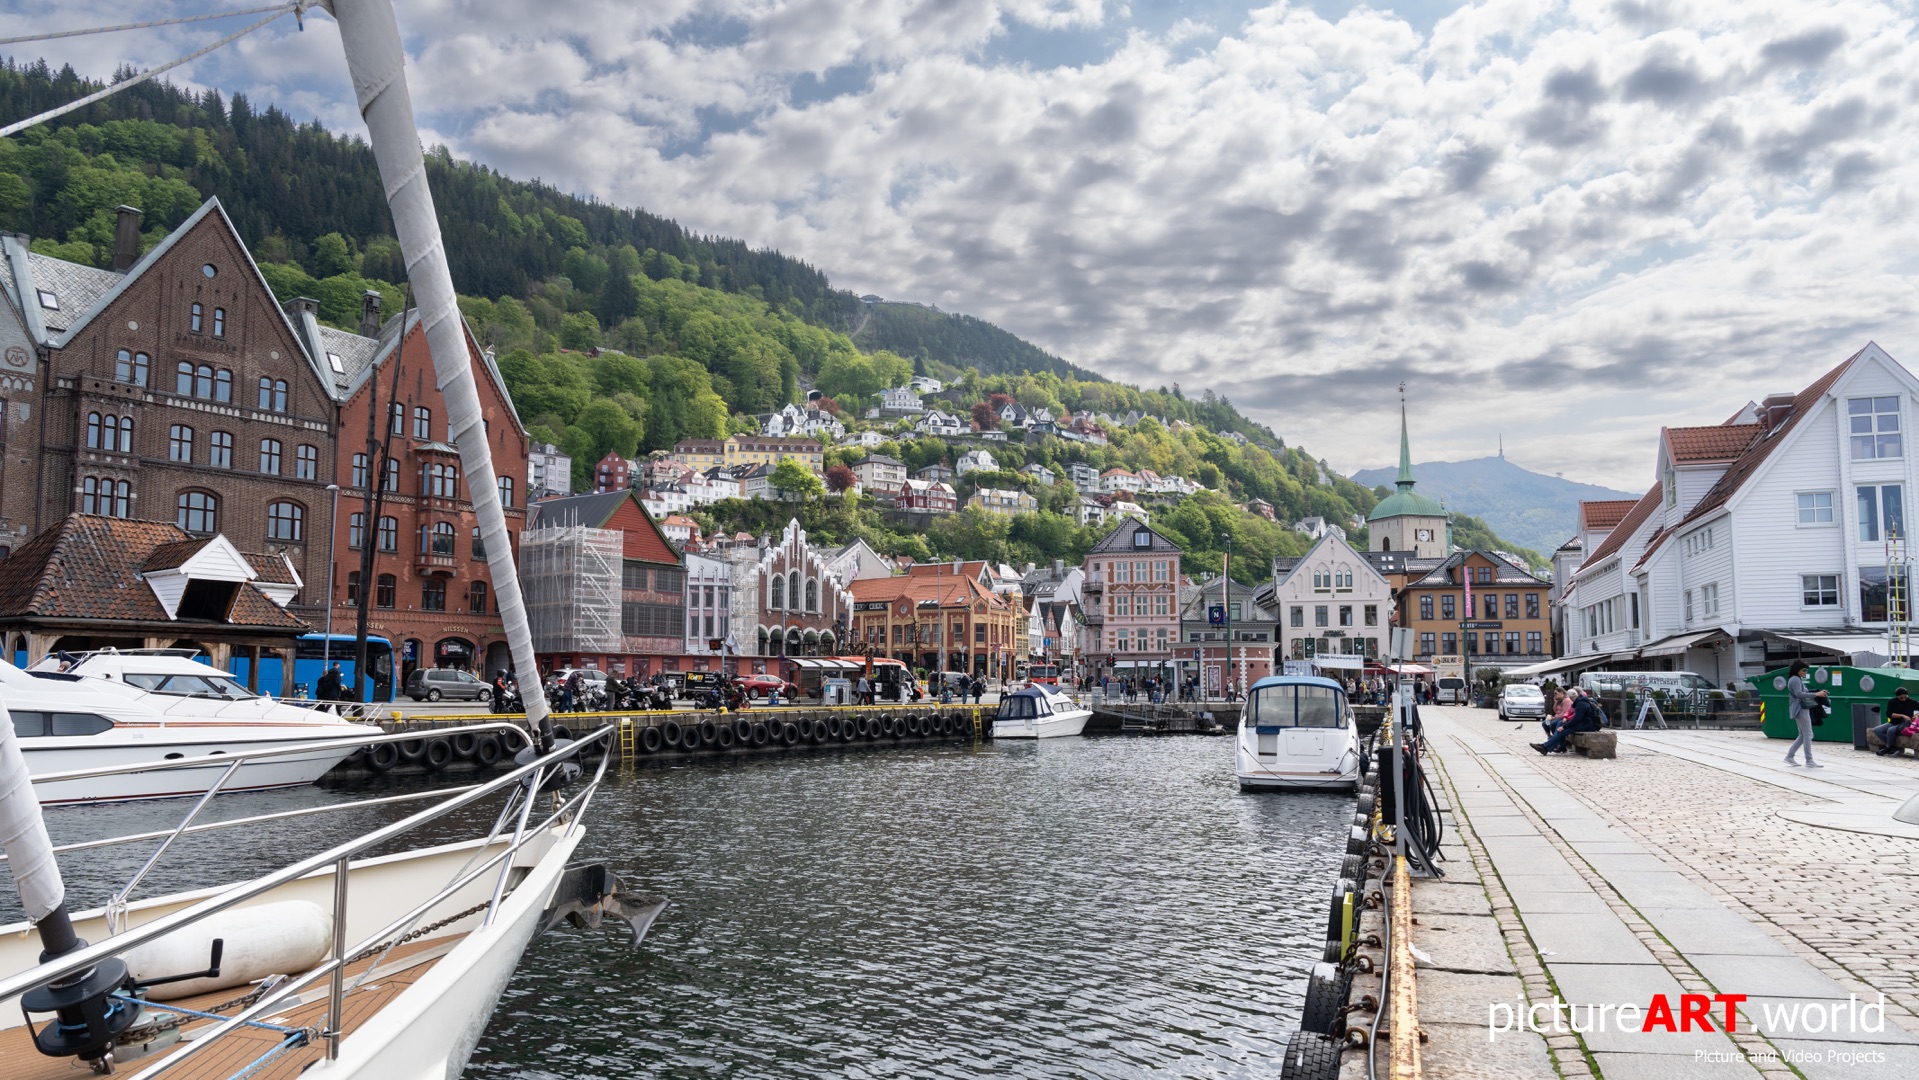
{"x": 280, "y": 938}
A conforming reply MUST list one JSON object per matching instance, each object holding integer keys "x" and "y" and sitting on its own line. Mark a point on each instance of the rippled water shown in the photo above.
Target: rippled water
{"x": 1087, "y": 907}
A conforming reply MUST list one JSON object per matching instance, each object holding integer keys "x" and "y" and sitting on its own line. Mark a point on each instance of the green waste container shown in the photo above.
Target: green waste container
{"x": 1845, "y": 687}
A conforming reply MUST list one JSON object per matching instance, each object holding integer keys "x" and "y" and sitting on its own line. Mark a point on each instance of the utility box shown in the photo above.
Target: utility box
{"x": 1853, "y": 695}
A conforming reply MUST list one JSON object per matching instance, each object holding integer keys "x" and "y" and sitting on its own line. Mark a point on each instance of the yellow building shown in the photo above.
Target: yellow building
{"x": 769, "y": 449}
{"x": 699, "y": 454}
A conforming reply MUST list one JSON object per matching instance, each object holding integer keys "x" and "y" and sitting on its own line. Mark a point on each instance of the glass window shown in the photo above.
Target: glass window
{"x": 180, "y": 443}
{"x": 479, "y": 545}
{"x": 1345, "y": 614}
{"x": 443, "y": 538}
{"x": 1426, "y": 643}
{"x": 219, "y": 322}
{"x": 506, "y": 491}
{"x": 433, "y": 594}
{"x": 306, "y": 462}
{"x": 1532, "y": 605}
{"x": 1815, "y": 507}
{"x": 1320, "y": 615}
{"x": 353, "y": 588}
{"x": 1512, "y": 605}
{"x": 220, "y": 449}
{"x": 95, "y": 431}
{"x": 359, "y": 471}
{"x": 389, "y": 538}
{"x": 270, "y": 456}
{"x": 223, "y": 385}
{"x": 197, "y": 512}
{"x": 399, "y": 419}
{"x": 285, "y": 521}
{"x": 1296, "y": 706}
{"x": 1446, "y": 606}
{"x": 131, "y": 367}
{"x": 356, "y": 530}
{"x": 196, "y": 318}
{"x": 476, "y": 598}
{"x": 392, "y": 475}
{"x": 1426, "y": 607}
{"x": 1449, "y": 644}
{"x": 1299, "y": 615}
{"x": 1819, "y": 590}
{"x": 384, "y": 591}
{"x": 1535, "y": 642}
{"x": 1882, "y": 511}
{"x": 265, "y": 400}
{"x": 1874, "y": 424}
{"x": 183, "y": 378}
{"x": 422, "y": 422}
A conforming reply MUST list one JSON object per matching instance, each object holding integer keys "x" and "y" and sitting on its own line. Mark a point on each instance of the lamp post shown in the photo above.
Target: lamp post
{"x": 1226, "y": 601}
{"x": 332, "y": 537}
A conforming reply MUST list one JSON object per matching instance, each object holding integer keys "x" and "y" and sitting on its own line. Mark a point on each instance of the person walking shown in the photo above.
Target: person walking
{"x": 979, "y": 690}
{"x": 1802, "y": 701}
{"x": 332, "y": 686}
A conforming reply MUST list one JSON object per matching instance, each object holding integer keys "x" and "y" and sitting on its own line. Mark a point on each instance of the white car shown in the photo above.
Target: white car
{"x": 1520, "y": 701}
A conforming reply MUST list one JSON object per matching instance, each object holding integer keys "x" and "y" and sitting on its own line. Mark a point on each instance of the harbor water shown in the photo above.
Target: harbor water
{"x": 1083, "y": 907}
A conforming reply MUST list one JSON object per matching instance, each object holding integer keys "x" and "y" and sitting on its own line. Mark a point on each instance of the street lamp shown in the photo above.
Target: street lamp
{"x": 332, "y": 537}
{"x": 1226, "y": 602}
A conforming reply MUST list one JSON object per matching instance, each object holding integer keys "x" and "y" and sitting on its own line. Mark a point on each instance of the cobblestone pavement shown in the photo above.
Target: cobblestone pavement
{"x": 1841, "y": 900}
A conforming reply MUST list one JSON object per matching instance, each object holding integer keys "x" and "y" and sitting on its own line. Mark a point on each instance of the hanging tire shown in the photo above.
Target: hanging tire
{"x": 1333, "y": 954}
{"x": 833, "y": 728}
{"x": 789, "y": 734}
{"x": 650, "y": 740}
{"x": 948, "y": 727}
{"x": 849, "y": 729}
{"x": 723, "y": 739}
{"x": 439, "y": 754}
{"x": 1354, "y": 867}
{"x": 562, "y": 733}
{"x": 761, "y": 735}
{"x": 1311, "y": 1055}
{"x": 873, "y": 727}
{"x": 671, "y": 733}
{"x": 898, "y": 729}
{"x": 382, "y": 757}
{"x": 1336, "y": 909}
{"x": 742, "y": 731}
{"x": 709, "y": 733}
{"x": 1356, "y": 841}
{"x": 487, "y": 752}
{"x": 1326, "y": 999}
{"x": 412, "y": 751}
{"x": 465, "y": 744}
{"x": 1365, "y": 803}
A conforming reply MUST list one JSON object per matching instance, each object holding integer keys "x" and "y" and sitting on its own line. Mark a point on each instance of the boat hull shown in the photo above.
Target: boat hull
{"x": 57, "y": 754}
{"x": 1336, "y": 768}
{"x": 1058, "y": 725}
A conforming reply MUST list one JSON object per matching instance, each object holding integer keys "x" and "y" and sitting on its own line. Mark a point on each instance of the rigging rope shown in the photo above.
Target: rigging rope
{"x": 145, "y": 25}
{"x": 279, "y": 11}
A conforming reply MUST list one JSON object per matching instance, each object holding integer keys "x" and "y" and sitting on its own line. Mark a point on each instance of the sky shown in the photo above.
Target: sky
{"x": 1561, "y": 224}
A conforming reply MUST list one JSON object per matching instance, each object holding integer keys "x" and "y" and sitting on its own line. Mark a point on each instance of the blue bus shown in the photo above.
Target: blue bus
{"x": 311, "y": 655}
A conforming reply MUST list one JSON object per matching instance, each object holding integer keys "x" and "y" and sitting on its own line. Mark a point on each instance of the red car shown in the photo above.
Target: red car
{"x": 761, "y": 686}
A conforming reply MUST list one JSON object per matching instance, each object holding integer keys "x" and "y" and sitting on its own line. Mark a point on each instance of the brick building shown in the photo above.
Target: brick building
{"x": 793, "y": 603}
{"x": 432, "y": 592}
{"x": 1132, "y": 603}
{"x": 172, "y": 388}
{"x": 651, "y": 586}
{"x": 940, "y": 614}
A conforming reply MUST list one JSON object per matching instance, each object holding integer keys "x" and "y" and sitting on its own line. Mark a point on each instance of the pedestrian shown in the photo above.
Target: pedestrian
{"x": 1899, "y": 721}
{"x": 331, "y": 686}
{"x": 979, "y": 690}
{"x": 1801, "y": 703}
{"x": 568, "y": 687}
{"x": 864, "y": 691}
{"x": 499, "y": 690}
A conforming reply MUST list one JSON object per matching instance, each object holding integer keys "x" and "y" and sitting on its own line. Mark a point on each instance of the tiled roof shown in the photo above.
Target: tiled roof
{"x": 948, "y": 590}
{"x": 1628, "y": 525}
{"x": 1120, "y": 540}
{"x": 1604, "y": 513}
{"x": 89, "y": 567}
{"x": 172, "y": 556}
{"x": 1505, "y": 571}
{"x": 1755, "y": 455}
{"x": 356, "y": 354}
{"x": 1691, "y": 445}
{"x": 272, "y": 569}
{"x": 593, "y": 511}
{"x": 76, "y": 287}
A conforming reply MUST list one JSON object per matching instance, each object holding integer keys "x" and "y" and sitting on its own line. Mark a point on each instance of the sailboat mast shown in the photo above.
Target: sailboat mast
{"x": 370, "y": 36}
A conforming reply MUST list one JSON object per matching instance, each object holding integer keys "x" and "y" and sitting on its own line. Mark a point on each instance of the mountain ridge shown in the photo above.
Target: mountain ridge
{"x": 1525, "y": 507}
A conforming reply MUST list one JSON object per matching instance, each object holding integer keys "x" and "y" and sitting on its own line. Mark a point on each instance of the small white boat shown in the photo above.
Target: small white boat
{"x": 128, "y": 708}
{"x": 1297, "y": 734}
{"x": 1039, "y": 712}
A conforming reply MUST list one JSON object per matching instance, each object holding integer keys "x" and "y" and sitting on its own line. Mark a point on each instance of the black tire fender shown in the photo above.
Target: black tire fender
{"x": 651, "y": 740}
{"x": 439, "y": 754}
{"x": 382, "y": 757}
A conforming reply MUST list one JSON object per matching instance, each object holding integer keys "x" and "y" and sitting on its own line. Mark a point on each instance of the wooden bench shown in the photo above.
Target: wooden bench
{"x": 1904, "y": 742}
{"x": 1595, "y": 744}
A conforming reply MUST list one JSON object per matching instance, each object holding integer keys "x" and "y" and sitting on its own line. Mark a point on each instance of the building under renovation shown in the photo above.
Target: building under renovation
{"x": 571, "y": 576}
{"x": 604, "y": 586}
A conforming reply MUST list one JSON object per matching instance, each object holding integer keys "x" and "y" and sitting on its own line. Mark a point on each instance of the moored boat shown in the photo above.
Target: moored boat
{"x": 1297, "y": 733}
{"x": 1039, "y": 712}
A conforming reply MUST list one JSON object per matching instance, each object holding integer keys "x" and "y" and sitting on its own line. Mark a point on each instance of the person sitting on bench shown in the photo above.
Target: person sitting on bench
{"x": 1899, "y": 721}
{"x": 1586, "y": 717}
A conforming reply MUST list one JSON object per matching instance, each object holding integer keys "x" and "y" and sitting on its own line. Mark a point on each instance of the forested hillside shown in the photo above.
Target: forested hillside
{"x": 619, "y": 331}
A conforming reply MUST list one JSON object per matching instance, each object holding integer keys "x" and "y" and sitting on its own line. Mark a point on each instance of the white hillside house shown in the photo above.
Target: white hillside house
{"x": 1766, "y": 537}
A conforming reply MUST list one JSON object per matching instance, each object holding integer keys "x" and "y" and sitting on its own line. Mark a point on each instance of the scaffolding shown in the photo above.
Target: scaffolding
{"x": 572, "y": 581}
{"x": 1898, "y": 616}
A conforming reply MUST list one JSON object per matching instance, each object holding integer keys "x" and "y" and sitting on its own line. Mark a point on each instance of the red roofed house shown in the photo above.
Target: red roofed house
{"x": 604, "y": 586}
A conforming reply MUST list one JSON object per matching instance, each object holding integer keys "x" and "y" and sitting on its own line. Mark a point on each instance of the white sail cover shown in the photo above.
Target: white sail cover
{"x": 22, "y": 831}
{"x": 376, "y": 61}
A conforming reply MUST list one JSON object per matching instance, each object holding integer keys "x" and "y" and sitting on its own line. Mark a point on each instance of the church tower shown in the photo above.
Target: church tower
{"x": 1406, "y": 520}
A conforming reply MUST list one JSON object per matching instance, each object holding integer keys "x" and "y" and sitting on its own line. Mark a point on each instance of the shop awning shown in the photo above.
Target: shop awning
{"x": 1839, "y": 644}
{"x": 1336, "y": 660}
{"x": 1678, "y": 644}
{"x": 1411, "y": 669}
{"x": 1564, "y": 663}
{"x": 809, "y": 663}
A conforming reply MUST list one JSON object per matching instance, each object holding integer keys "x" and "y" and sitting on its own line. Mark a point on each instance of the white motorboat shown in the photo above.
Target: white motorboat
{"x": 114, "y": 708}
{"x": 1039, "y": 712}
{"x": 1297, "y": 733}
{"x": 341, "y": 964}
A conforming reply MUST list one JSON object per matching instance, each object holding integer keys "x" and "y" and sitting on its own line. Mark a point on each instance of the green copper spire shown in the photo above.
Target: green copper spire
{"x": 1405, "y": 502}
{"x": 1405, "y": 480}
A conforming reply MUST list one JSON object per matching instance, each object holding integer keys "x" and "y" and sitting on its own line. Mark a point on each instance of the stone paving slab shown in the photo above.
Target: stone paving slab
{"x": 1593, "y": 937}
{"x": 1618, "y": 984}
{"x": 1614, "y": 1066}
{"x": 1447, "y": 897}
{"x": 1458, "y": 997}
{"x": 1784, "y": 976}
{"x": 1461, "y": 1052}
{"x": 1846, "y": 1061}
{"x": 1465, "y": 943}
{"x": 1703, "y": 930}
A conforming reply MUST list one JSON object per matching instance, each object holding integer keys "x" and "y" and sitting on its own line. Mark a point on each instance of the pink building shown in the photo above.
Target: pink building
{"x": 611, "y": 474}
{"x": 1131, "y": 604}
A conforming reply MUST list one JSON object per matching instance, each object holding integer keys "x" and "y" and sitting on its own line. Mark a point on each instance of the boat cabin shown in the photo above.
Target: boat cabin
{"x": 1032, "y": 703}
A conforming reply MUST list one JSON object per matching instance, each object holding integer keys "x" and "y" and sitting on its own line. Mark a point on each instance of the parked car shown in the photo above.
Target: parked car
{"x": 1520, "y": 701}
{"x": 1451, "y": 690}
{"x": 432, "y": 684}
{"x": 761, "y": 686}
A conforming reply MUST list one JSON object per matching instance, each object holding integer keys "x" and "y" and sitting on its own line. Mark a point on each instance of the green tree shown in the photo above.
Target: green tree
{"x": 332, "y": 255}
{"x": 795, "y": 481}
{"x": 580, "y": 331}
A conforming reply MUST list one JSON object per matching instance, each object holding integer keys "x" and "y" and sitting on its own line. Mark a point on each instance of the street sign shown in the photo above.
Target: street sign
{"x": 1494, "y": 625}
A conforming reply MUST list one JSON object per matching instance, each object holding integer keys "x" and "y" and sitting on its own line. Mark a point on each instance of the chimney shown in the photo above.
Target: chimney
{"x": 126, "y": 239}
{"x": 1059, "y": 567}
{"x": 302, "y": 305}
{"x": 1775, "y": 409}
{"x": 370, "y": 314}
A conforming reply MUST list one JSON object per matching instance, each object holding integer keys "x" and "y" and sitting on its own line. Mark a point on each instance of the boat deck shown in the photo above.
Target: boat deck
{"x": 398, "y": 970}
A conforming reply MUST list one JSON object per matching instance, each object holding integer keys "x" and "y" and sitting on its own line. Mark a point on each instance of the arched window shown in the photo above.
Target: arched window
{"x": 126, "y": 435}
{"x": 385, "y": 591}
{"x": 353, "y": 588}
{"x": 285, "y": 521}
{"x": 812, "y": 594}
{"x": 476, "y": 598}
{"x": 94, "y": 431}
{"x": 779, "y": 592}
{"x": 183, "y": 378}
{"x": 131, "y": 367}
{"x": 355, "y": 530}
{"x": 479, "y": 545}
{"x": 180, "y": 443}
{"x": 270, "y": 456}
{"x": 793, "y": 589}
{"x": 223, "y": 385}
{"x": 265, "y": 400}
{"x": 506, "y": 491}
{"x": 197, "y": 512}
{"x": 122, "y": 503}
{"x": 422, "y": 422}
{"x": 220, "y": 449}
{"x": 443, "y": 538}
{"x": 196, "y": 317}
{"x": 203, "y": 381}
{"x": 219, "y": 322}
{"x": 90, "y": 495}
{"x": 306, "y": 462}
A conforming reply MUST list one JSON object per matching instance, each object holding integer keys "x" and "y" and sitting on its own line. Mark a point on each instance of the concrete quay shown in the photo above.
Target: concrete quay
{"x": 1696, "y": 863}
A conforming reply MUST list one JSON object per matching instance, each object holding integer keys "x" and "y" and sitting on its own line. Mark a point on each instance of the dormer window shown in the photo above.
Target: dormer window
{"x": 1142, "y": 538}
{"x": 48, "y": 300}
{"x": 1874, "y": 426}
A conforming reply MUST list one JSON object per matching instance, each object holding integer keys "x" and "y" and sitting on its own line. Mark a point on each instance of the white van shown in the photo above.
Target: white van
{"x": 1451, "y": 690}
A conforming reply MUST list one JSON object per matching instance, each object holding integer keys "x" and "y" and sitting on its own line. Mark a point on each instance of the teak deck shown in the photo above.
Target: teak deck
{"x": 20, "y": 1061}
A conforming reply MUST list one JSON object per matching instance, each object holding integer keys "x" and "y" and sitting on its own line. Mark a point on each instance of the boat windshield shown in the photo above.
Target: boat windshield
{"x": 1296, "y": 706}
{"x": 1018, "y": 707}
{"x": 201, "y": 686}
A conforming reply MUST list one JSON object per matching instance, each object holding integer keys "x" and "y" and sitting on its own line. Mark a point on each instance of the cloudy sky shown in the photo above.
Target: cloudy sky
{"x": 1566, "y": 224}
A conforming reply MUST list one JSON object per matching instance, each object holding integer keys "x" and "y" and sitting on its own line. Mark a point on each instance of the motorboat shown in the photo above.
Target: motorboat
{"x": 125, "y": 708}
{"x": 1297, "y": 733}
{"x": 1039, "y": 712}
{"x": 359, "y": 961}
